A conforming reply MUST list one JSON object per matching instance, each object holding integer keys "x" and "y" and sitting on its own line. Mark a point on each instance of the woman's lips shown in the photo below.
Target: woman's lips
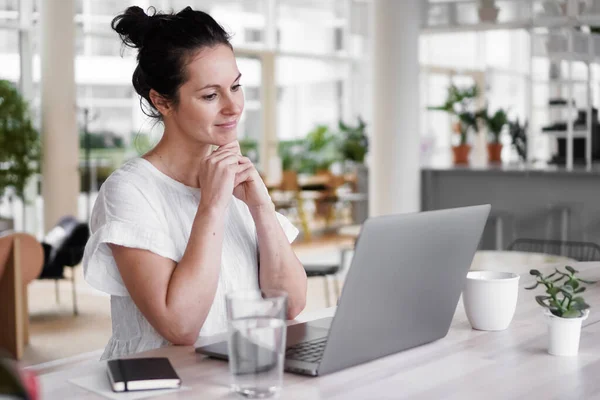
{"x": 227, "y": 125}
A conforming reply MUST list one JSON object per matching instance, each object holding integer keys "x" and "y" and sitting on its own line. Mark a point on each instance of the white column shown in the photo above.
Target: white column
{"x": 268, "y": 143}
{"x": 394, "y": 160}
{"x": 29, "y": 223}
{"x": 60, "y": 166}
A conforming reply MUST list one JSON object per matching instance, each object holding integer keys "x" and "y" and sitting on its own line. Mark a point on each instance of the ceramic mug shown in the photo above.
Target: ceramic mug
{"x": 490, "y": 299}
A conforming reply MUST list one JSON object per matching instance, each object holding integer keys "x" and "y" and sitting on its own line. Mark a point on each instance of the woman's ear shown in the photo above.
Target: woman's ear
{"x": 162, "y": 105}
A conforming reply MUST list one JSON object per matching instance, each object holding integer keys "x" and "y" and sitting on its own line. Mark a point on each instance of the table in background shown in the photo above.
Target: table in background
{"x": 466, "y": 364}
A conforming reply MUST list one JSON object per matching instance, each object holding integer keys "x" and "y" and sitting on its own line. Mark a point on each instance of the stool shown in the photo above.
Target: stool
{"x": 325, "y": 270}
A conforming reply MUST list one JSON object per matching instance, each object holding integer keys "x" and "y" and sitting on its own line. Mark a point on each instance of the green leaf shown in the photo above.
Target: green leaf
{"x": 572, "y": 314}
{"x": 580, "y": 306}
{"x": 553, "y": 291}
{"x": 567, "y": 287}
{"x": 540, "y": 300}
{"x": 567, "y": 294}
{"x": 586, "y": 281}
{"x": 573, "y": 283}
{"x": 580, "y": 290}
{"x": 560, "y": 272}
{"x": 535, "y": 272}
{"x": 571, "y": 269}
{"x": 532, "y": 287}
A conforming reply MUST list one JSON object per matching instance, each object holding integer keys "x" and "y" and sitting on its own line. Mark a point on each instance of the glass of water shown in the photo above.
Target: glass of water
{"x": 257, "y": 332}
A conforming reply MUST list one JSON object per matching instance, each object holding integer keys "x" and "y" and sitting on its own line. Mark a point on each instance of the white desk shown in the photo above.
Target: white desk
{"x": 466, "y": 364}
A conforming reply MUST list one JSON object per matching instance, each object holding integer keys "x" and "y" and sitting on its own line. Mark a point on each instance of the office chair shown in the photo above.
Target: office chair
{"x": 580, "y": 251}
{"x": 63, "y": 247}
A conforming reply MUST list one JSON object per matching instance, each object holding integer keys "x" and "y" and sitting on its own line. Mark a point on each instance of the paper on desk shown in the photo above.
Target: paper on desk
{"x": 98, "y": 383}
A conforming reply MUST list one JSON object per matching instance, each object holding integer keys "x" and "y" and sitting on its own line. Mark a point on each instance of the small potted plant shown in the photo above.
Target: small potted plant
{"x": 353, "y": 142}
{"x": 564, "y": 308}
{"x": 495, "y": 124}
{"x": 518, "y": 136}
{"x": 321, "y": 149}
{"x": 459, "y": 104}
{"x": 488, "y": 12}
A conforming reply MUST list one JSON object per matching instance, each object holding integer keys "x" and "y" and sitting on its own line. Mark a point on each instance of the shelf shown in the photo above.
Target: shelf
{"x": 480, "y": 27}
{"x": 537, "y": 22}
{"x": 592, "y": 20}
{"x": 579, "y": 133}
{"x": 559, "y": 81}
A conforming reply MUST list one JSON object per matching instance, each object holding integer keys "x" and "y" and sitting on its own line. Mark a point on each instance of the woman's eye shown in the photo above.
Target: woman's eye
{"x": 210, "y": 96}
{"x": 235, "y": 88}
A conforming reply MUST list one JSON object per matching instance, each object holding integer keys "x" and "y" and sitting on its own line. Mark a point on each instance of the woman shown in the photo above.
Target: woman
{"x": 176, "y": 229}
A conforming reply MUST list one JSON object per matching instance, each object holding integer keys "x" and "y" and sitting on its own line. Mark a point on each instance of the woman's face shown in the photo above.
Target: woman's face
{"x": 211, "y": 100}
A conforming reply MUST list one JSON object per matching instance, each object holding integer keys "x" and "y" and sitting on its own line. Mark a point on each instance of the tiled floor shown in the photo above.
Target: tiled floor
{"x": 56, "y": 333}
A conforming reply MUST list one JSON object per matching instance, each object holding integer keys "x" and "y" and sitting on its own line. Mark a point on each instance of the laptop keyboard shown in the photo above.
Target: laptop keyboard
{"x": 307, "y": 351}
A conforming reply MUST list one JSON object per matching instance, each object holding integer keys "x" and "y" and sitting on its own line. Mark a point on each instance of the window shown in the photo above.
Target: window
{"x": 497, "y": 60}
{"x": 9, "y": 41}
{"x": 311, "y": 26}
{"x": 310, "y": 95}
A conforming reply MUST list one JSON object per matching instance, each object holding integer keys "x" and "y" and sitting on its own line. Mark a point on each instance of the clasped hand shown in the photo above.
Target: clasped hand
{"x": 225, "y": 172}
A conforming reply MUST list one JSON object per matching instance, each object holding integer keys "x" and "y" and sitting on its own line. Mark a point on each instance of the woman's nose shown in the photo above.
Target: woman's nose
{"x": 232, "y": 105}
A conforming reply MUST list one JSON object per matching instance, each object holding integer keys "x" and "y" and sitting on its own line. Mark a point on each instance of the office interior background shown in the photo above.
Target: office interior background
{"x": 309, "y": 64}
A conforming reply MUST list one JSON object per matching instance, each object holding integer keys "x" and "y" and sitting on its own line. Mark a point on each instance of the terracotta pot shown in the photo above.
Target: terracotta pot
{"x": 488, "y": 14}
{"x": 289, "y": 180}
{"x": 495, "y": 152}
{"x": 461, "y": 154}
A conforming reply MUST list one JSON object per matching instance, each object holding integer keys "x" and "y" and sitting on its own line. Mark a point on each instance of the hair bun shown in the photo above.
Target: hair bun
{"x": 132, "y": 26}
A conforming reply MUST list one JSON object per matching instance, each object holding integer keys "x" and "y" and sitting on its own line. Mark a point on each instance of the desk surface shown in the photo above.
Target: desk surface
{"x": 466, "y": 364}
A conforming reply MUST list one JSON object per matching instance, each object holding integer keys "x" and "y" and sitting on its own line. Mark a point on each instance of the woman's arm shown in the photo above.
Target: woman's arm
{"x": 279, "y": 267}
{"x": 176, "y": 297}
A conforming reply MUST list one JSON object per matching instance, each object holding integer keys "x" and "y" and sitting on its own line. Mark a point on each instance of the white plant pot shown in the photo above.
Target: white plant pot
{"x": 564, "y": 334}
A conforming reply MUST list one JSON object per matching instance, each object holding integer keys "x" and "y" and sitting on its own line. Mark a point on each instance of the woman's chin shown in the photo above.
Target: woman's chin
{"x": 224, "y": 139}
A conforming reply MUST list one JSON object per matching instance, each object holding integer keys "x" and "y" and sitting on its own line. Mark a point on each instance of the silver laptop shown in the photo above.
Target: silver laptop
{"x": 401, "y": 291}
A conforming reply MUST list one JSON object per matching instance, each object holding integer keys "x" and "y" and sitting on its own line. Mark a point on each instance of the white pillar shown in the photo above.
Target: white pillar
{"x": 60, "y": 166}
{"x": 268, "y": 142}
{"x": 394, "y": 162}
{"x": 29, "y": 222}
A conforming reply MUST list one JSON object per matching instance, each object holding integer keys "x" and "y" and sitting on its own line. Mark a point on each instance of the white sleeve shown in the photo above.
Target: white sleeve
{"x": 290, "y": 230}
{"x": 124, "y": 215}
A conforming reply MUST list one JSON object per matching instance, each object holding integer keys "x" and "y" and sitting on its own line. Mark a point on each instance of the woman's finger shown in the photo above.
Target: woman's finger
{"x": 221, "y": 156}
{"x": 243, "y": 174}
{"x": 233, "y": 146}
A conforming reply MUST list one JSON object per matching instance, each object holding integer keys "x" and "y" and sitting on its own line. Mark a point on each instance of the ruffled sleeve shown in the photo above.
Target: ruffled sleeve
{"x": 124, "y": 214}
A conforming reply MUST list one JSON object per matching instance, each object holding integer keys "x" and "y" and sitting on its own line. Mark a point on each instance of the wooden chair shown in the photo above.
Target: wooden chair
{"x": 21, "y": 260}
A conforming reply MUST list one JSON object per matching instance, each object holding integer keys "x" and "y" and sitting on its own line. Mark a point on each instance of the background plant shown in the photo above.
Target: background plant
{"x": 495, "y": 123}
{"x": 354, "y": 143}
{"x": 290, "y": 152}
{"x": 518, "y": 136}
{"x": 460, "y": 104}
{"x": 20, "y": 147}
{"x": 562, "y": 298}
{"x": 321, "y": 150}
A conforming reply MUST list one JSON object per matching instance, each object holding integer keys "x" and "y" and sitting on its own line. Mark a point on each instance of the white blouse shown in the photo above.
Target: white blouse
{"x": 138, "y": 206}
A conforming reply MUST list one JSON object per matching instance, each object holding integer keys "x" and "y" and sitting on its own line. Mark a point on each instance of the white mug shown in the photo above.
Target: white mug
{"x": 490, "y": 299}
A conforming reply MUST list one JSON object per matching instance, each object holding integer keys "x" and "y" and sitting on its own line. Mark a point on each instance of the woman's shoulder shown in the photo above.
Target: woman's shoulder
{"x": 132, "y": 175}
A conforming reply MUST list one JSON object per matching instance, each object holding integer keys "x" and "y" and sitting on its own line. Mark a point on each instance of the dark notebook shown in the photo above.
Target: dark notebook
{"x": 142, "y": 374}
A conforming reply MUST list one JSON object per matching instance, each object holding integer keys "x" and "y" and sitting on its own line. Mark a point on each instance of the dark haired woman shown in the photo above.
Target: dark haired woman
{"x": 176, "y": 229}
